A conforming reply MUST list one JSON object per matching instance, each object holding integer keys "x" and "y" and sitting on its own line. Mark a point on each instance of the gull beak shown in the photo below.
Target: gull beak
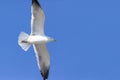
{"x": 54, "y": 40}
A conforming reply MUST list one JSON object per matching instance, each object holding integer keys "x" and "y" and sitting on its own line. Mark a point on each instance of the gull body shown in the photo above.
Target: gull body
{"x": 38, "y": 39}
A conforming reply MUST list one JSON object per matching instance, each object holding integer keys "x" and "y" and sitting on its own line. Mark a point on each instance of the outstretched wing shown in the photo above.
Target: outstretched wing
{"x": 43, "y": 59}
{"x": 38, "y": 17}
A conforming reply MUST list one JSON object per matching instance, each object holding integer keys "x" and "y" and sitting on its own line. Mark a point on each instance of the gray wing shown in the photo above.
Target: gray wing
{"x": 37, "y": 20}
{"x": 43, "y": 59}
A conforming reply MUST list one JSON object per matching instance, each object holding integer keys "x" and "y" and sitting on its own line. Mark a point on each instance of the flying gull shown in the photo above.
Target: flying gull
{"x": 38, "y": 39}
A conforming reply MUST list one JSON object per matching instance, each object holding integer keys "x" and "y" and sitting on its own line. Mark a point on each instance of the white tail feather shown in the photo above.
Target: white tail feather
{"x": 21, "y": 41}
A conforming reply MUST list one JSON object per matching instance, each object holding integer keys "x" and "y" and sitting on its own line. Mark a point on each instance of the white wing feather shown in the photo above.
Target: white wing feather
{"x": 42, "y": 55}
{"x": 37, "y": 21}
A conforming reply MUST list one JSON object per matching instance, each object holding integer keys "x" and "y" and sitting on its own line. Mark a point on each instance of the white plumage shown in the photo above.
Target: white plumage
{"x": 37, "y": 21}
{"x": 37, "y": 38}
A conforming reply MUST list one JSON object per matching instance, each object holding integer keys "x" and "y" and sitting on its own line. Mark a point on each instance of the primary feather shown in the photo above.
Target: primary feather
{"x": 38, "y": 17}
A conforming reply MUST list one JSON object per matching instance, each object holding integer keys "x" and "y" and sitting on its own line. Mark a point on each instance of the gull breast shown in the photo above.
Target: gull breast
{"x": 37, "y": 39}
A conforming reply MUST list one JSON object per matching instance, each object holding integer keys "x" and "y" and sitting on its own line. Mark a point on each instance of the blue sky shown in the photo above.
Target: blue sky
{"x": 87, "y": 33}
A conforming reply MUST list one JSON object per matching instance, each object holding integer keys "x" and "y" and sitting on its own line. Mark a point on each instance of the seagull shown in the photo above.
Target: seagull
{"x": 38, "y": 39}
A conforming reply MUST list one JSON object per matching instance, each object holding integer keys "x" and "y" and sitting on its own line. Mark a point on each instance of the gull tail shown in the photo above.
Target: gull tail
{"x": 22, "y": 41}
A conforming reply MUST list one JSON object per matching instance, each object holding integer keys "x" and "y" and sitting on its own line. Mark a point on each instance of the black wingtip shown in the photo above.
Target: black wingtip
{"x": 36, "y": 2}
{"x": 45, "y": 74}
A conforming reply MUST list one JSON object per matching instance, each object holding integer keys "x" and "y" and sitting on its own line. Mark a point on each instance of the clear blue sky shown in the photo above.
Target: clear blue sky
{"x": 87, "y": 33}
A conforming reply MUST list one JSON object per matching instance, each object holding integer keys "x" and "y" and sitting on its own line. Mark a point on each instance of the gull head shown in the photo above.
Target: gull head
{"x": 51, "y": 39}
